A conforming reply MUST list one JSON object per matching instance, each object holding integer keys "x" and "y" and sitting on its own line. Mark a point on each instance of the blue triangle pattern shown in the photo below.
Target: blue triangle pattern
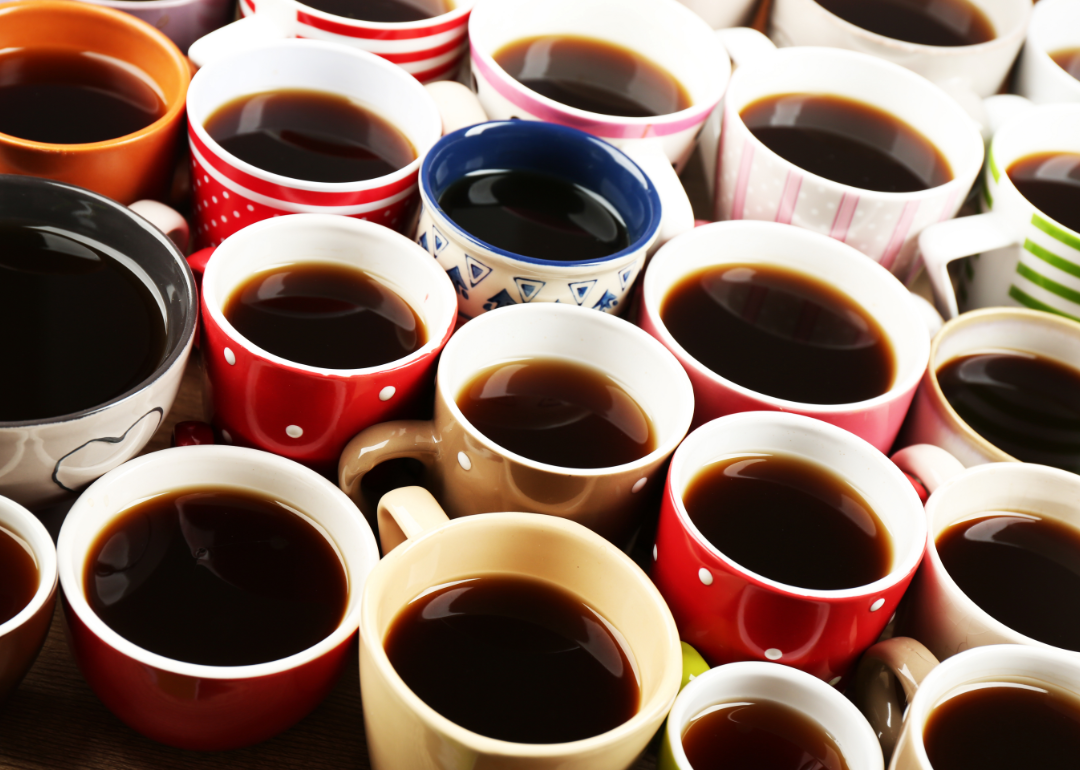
{"x": 580, "y": 289}
{"x": 423, "y": 242}
{"x": 440, "y": 241}
{"x": 459, "y": 284}
{"x": 606, "y": 302}
{"x": 477, "y": 270}
{"x": 528, "y": 288}
{"x": 625, "y": 277}
{"x": 502, "y": 299}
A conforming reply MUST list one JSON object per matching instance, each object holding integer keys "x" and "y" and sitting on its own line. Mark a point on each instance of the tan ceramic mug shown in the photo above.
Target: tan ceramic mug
{"x": 469, "y": 473}
{"x": 404, "y": 733}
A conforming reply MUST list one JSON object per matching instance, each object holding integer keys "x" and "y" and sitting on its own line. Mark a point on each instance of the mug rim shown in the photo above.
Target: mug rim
{"x": 461, "y": 8}
{"x": 29, "y": 528}
{"x": 189, "y": 300}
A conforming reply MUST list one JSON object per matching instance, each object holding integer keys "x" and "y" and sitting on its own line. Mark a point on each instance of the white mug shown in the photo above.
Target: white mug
{"x": 1055, "y": 26}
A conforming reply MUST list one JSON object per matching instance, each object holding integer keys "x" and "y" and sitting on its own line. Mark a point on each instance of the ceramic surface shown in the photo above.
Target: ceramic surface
{"x": 1055, "y": 26}
{"x": 183, "y": 21}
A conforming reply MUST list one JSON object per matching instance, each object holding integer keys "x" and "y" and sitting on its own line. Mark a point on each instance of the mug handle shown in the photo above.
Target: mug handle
{"x": 385, "y": 441}
{"x": 745, "y": 45}
{"x": 248, "y": 32}
{"x": 166, "y": 219}
{"x": 900, "y": 658}
{"x": 954, "y": 239}
{"x": 405, "y": 514}
{"x": 930, "y": 465}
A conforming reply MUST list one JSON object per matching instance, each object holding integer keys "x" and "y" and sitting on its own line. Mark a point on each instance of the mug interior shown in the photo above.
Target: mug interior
{"x": 1055, "y": 25}
{"x": 880, "y": 483}
{"x": 25, "y": 526}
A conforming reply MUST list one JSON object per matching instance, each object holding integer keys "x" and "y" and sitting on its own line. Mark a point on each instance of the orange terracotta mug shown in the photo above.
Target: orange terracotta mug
{"x": 136, "y": 165}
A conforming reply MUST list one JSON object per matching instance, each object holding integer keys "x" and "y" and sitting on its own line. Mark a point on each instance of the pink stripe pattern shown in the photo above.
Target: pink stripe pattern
{"x": 899, "y": 235}
{"x": 845, "y": 213}
{"x": 743, "y": 180}
{"x": 947, "y": 211}
{"x": 789, "y": 197}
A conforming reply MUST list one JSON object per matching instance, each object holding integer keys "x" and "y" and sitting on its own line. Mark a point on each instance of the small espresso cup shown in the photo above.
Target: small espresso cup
{"x": 196, "y": 706}
{"x": 751, "y": 683}
{"x": 470, "y": 473}
{"x": 230, "y": 193}
{"x": 486, "y": 276}
{"x": 23, "y": 634}
{"x": 769, "y": 245}
{"x": 1024, "y": 257}
{"x": 753, "y": 182}
{"x": 428, "y": 49}
{"x": 124, "y": 168}
{"x": 303, "y": 412}
{"x": 730, "y": 613}
{"x": 183, "y": 21}
{"x": 1054, "y": 28}
{"x": 404, "y": 733}
{"x": 1030, "y": 333}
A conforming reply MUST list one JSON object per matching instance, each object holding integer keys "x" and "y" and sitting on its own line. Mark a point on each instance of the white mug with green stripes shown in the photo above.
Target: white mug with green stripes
{"x": 1020, "y": 256}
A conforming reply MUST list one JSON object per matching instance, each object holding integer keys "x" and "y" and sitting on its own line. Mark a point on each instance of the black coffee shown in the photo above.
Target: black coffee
{"x": 1069, "y": 60}
{"x": 847, "y": 141}
{"x": 79, "y": 328}
{"x": 515, "y": 659}
{"x": 781, "y": 333}
{"x": 310, "y": 135}
{"x": 1025, "y": 405}
{"x": 789, "y": 520}
{"x": 759, "y": 735}
{"x": 593, "y": 75}
{"x": 216, "y": 577}
{"x": 1005, "y": 726}
{"x": 65, "y": 96}
{"x": 383, "y": 10}
{"x": 18, "y": 575}
{"x": 535, "y": 215}
{"x": 328, "y": 315}
{"x": 927, "y": 22}
{"x": 1050, "y": 181}
{"x": 1022, "y": 569}
{"x": 556, "y": 412}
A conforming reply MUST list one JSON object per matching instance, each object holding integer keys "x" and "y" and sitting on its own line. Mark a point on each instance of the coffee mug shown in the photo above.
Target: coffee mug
{"x": 146, "y": 156}
{"x": 470, "y": 473}
{"x": 424, "y": 551}
{"x": 300, "y": 411}
{"x": 753, "y": 683}
{"x": 1029, "y": 333}
{"x": 753, "y": 182}
{"x": 1055, "y": 27}
{"x": 488, "y": 276}
{"x": 23, "y": 634}
{"x": 230, "y": 193}
{"x": 769, "y": 245}
{"x": 428, "y": 49}
{"x": 183, "y": 21}
{"x": 48, "y": 458}
{"x": 730, "y": 613}
{"x": 980, "y": 66}
{"x": 1024, "y": 257}
{"x": 197, "y": 706}
{"x": 726, "y": 13}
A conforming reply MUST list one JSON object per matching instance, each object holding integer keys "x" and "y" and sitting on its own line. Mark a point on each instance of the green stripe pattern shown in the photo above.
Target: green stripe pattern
{"x": 1028, "y": 269}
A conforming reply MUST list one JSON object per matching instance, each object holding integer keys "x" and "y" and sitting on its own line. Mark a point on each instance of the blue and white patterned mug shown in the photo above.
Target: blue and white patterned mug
{"x": 487, "y": 277}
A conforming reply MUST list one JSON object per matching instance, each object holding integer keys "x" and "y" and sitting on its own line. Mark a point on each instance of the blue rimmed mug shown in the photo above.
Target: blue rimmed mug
{"x": 487, "y": 277}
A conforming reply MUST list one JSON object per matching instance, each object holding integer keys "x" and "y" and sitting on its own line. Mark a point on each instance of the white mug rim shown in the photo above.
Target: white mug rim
{"x": 18, "y": 520}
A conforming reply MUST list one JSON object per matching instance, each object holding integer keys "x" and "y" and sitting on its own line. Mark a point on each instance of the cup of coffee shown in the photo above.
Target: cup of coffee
{"x": 521, "y": 212}
{"x": 1001, "y": 386}
{"x": 847, "y": 145}
{"x": 99, "y": 309}
{"x": 766, "y": 716}
{"x": 785, "y": 539}
{"x": 88, "y": 91}
{"x": 768, "y": 317}
{"x": 970, "y": 43}
{"x": 543, "y": 408}
{"x": 1049, "y": 68}
{"x": 510, "y": 639}
{"x": 425, "y": 38}
{"x": 268, "y": 555}
{"x": 316, "y": 327}
{"x": 27, "y": 591}
{"x": 305, "y": 126}
{"x": 1027, "y": 240}
{"x": 183, "y": 21}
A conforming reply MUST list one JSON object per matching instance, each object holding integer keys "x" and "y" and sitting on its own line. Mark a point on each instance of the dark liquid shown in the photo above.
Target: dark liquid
{"x": 1021, "y": 569}
{"x": 18, "y": 575}
{"x": 1005, "y": 728}
{"x": 1025, "y": 405}
{"x": 1050, "y": 181}
{"x": 535, "y": 215}
{"x": 325, "y": 315}
{"x": 789, "y": 520}
{"x": 780, "y": 333}
{"x": 65, "y": 96}
{"x": 593, "y": 75}
{"x": 927, "y": 22}
{"x": 558, "y": 413}
{"x": 383, "y": 10}
{"x": 759, "y": 735}
{"x": 515, "y": 659}
{"x": 847, "y": 141}
{"x": 79, "y": 328}
{"x": 1068, "y": 60}
{"x": 217, "y": 577}
{"x": 310, "y": 135}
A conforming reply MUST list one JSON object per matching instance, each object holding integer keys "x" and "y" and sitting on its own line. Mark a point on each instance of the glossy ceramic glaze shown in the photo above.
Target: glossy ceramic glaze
{"x": 183, "y": 21}
{"x": 1055, "y": 26}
